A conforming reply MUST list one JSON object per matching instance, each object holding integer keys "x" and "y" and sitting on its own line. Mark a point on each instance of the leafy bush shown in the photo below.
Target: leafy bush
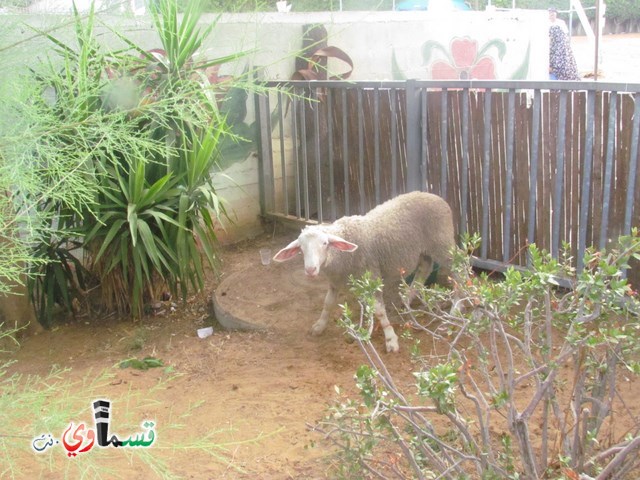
{"x": 138, "y": 132}
{"x": 525, "y": 383}
{"x": 623, "y": 10}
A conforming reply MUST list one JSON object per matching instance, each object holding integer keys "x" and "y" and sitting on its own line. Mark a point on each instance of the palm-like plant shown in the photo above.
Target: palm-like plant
{"x": 148, "y": 231}
{"x": 158, "y": 220}
{"x": 153, "y": 210}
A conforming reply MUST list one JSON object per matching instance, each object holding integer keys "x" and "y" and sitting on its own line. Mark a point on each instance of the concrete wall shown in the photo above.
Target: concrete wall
{"x": 382, "y": 45}
{"x": 516, "y": 41}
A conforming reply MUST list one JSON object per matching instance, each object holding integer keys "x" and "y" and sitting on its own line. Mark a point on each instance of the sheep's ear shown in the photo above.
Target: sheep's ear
{"x": 288, "y": 252}
{"x": 341, "y": 244}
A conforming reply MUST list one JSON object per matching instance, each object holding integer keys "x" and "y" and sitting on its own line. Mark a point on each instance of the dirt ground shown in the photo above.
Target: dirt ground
{"x": 252, "y": 394}
{"x": 619, "y": 58}
{"x": 234, "y": 405}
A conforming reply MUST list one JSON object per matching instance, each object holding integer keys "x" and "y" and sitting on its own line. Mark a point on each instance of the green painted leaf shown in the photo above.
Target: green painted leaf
{"x": 497, "y": 43}
{"x": 522, "y": 71}
{"x": 427, "y": 49}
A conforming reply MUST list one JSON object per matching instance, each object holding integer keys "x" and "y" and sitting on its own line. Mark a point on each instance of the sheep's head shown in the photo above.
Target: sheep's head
{"x": 314, "y": 243}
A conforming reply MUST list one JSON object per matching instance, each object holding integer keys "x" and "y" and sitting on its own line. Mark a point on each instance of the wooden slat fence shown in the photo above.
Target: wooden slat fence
{"x": 519, "y": 162}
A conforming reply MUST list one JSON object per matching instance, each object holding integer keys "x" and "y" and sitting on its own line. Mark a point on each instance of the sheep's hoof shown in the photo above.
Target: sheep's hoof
{"x": 317, "y": 330}
{"x": 392, "y": 345}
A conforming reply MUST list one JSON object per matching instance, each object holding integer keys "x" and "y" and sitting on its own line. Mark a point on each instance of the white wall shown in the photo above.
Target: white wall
{"x": 373, "y": 40}
{"x": 515, "y": 43}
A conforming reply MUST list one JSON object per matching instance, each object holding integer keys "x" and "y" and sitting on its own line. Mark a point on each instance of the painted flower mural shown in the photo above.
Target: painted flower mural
{"x": 463, "y": 60}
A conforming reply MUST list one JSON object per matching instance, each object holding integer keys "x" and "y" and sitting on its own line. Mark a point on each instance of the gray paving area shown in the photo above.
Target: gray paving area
{"x": 620, "y": 57}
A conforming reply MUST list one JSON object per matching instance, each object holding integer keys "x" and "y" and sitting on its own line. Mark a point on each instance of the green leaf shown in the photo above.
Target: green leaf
{"x": 156, "y": 191}
{"x": 148, "y": 240}
{"x": 206, "y": 239}
{"x": 161, "y": 217}
{"x": 132, "y": 219}
{"x": 139, "y": 181}
{"x": 499, "y": 44}
{"x": 113, "y": 231}
{"x": 429, "y": 46}
{"x": 523, "y": 70}
{"x": 144, "y": 364}
{"x": 138, "y": 284}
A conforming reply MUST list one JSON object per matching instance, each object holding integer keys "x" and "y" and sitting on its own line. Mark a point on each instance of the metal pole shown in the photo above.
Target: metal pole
{"x": 412, "y": 138}
{"x": 597, "y": 52}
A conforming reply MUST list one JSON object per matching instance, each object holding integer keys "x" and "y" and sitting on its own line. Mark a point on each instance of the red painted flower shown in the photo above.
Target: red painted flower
{"x": 464, "y": 63}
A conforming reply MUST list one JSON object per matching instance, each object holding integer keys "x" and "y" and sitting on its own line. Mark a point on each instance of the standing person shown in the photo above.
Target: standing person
{"x": 562, "y": 63}
{"x": 554, "y": 20}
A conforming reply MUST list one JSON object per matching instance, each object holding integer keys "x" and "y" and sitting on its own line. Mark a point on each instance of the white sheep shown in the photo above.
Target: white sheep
{"x": 408, "y": 233}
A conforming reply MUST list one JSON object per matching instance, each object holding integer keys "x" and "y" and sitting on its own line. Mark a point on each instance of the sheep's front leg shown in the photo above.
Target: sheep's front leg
{"x": 329, "y": 302}
{"x": 390, "y": 337}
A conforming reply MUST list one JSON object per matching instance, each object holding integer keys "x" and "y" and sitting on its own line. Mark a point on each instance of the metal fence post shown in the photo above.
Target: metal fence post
{"x": 265, "y": 152}
{"x": 413, "y": 139}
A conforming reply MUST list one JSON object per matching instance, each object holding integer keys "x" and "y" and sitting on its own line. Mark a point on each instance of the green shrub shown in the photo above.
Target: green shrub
{"x": 522, "y": 381}
{"x": 138, "y": 132}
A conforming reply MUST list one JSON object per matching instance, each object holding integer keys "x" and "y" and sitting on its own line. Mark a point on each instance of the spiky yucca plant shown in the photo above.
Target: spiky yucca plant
{"x": 145, "y": 126}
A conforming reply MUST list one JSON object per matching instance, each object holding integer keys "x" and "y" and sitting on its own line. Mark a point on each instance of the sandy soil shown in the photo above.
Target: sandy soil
{"x": 234, "y": 405}
{"x": 253, "y": 394}
{"x": 619, "y": 58}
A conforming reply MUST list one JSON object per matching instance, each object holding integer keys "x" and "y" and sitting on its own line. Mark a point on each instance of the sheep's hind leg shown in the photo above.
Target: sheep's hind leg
{"x": 390, "y": 337}
{"x": 425, "y": 267}
{"x": 329, "y": 302}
